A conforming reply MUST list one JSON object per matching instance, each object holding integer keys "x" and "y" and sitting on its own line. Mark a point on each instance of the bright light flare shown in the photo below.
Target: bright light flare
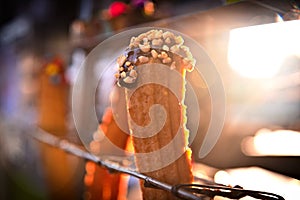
{"x": 224, "y": 178}
{"x": 272, "y": 143}
{"x": 259, "y": 51}
{"x": 255, "y": 178}
{"x": 149, "y": 8}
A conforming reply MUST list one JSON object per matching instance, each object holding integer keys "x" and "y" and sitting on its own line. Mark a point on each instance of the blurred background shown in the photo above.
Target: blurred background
{"x": 254, "y": 45}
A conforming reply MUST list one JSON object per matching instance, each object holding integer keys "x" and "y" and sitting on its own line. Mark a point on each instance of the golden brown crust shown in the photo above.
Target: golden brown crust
{"x": 139, "y": 104}
{"x": 164, "y": 166}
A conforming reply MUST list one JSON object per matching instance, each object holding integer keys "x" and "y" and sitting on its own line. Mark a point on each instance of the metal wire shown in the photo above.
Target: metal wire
{"x": 183, "y": 191}
{"x": 236, "y": 192}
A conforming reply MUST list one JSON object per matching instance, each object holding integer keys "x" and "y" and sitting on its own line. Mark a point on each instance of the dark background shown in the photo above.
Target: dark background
{"x": 47, "y": 31}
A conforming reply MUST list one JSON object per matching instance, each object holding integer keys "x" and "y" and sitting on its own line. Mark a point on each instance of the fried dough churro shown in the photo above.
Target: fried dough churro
{"x": 160, "y": 137}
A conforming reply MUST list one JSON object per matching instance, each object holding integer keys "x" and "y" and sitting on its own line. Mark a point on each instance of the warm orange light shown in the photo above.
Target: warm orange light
{"x": 123, "y": 187}
{"x": 52, "y": 69}
{"x": 90, "y": 167}
{"x": 107, "y": 189}
{"x": 129, "y": 146}
{"x": 149, "y": 8}
{"x": 88, "y": 179}
{"x": 103, "y": 127}
{"x": 107, "y": 117}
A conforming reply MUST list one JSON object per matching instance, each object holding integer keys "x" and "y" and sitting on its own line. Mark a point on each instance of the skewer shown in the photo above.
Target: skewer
{"x": 43, "y": 136}
{"x": 183, "y": 191}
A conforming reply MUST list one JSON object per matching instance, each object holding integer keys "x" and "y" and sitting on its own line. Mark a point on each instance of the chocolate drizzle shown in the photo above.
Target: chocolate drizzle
{"x": 129, "y": 69}
{"x": 155, "y": 44}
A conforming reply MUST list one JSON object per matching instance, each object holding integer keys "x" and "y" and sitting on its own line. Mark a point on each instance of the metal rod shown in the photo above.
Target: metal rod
{"x": 47, "y": 138}
{"x": 183, "y": 191}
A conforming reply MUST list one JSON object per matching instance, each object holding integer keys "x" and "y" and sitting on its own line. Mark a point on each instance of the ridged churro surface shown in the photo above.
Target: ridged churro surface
{"x": 135, "y": 66}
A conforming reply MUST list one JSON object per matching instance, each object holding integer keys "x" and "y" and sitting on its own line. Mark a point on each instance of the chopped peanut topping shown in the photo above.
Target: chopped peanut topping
{"x": 143, "y": 59}
{"x": 154, "y": 53}
{"x": 145, "y": 48}
{"x": 121, "y": 60}
{"x": 167, "y": 60}
{"x": 156, "y": 44}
